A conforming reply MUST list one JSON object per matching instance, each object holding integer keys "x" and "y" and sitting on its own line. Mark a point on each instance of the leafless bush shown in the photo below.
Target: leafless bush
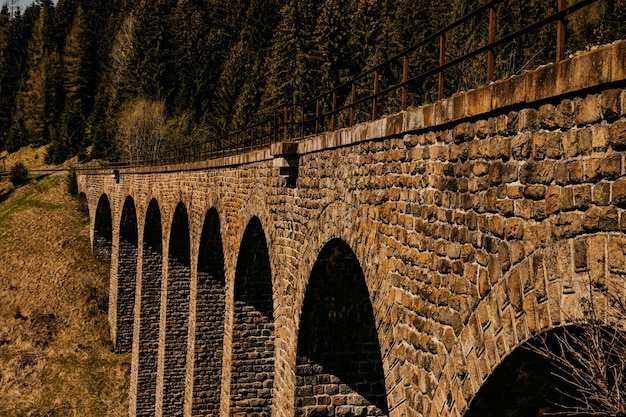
{"x": 590, "y": 359}
{"x": 141, "y": 129}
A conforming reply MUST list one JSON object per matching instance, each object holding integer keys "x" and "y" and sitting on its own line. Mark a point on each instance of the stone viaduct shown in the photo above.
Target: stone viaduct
{"x": 412, "y": 257}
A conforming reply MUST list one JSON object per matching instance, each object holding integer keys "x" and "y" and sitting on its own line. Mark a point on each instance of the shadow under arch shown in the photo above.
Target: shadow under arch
{"x": 103, "y": 230}
{"x": 253, "y": 327}
{"x": 339, "y": 365}
{"x": 151, "y": 278}
{"x": 570, "y": 370}
{"x": 126, "y": 277}
{"x": 177, "y": 313}
{"x": 210, "y": 310}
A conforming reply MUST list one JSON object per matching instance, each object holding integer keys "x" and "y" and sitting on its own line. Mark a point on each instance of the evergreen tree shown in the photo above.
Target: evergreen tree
{"x": 31, "y": 100}
{"x": 290, "y": 72}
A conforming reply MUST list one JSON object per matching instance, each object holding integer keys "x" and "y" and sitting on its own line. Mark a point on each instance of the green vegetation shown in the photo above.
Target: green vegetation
{"x": 18, "y": 174}
{"x": 117, "y": 78}
{"x": 30, "y": 199}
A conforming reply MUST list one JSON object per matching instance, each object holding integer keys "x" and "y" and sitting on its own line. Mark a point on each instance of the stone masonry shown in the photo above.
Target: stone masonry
{"x": 413, "y": 255}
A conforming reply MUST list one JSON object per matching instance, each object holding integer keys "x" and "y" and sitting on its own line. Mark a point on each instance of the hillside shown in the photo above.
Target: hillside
{"x": 55, "y": 350}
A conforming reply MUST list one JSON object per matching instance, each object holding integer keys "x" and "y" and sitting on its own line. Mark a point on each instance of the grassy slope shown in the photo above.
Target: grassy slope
{"x": 55, "y": 352}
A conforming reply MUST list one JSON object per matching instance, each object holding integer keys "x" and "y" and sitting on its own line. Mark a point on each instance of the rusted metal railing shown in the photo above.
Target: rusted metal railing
{"x": 342, "y": 103}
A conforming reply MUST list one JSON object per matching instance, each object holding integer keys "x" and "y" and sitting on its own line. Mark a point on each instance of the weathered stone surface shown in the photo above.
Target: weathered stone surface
{"x": 469, "y": 239}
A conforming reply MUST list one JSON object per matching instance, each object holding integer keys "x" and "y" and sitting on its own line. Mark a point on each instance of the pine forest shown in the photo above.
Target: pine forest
{"x": 88, "y": 78}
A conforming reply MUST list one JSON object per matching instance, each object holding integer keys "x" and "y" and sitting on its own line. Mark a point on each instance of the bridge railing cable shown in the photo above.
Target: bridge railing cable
{"x": 394, "y": 85}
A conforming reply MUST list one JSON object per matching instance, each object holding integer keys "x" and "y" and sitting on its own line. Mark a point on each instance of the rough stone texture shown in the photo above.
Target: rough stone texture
{"x": 253, "y": 328}
{"x": 150, "y": 306}
{"x": 210, "y": 312}
{"x": 472, "y": 236}
{"x": 126, "y": 272}
{"x": 177, "y": 314}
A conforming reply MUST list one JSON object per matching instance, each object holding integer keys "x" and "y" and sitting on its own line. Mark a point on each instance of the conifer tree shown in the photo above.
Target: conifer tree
{"x": 31, "y": 100}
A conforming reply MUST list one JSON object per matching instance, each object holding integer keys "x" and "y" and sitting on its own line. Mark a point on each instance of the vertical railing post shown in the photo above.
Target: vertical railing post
{"x": 317, "y": 116}
{"x": 560, "y": 34}
{"x": 333, "y": 117}
{"x": 352, "y": 100}
{"x": 491, "y": 59}
{"x": 301, "y": 121}
{"x": 442, "y": 61}
{"x": 285, "y": 122}
{"x": 405, "y": 77}
{"x": 375, "y": 101}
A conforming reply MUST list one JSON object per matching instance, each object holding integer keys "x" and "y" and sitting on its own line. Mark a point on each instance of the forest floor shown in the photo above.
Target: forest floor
{"x": 56, "y": 356}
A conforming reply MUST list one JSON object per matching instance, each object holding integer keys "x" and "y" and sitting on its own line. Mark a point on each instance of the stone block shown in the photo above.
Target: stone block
{"x": 618, "y": 61}
{"x": 589, "y": 69}
{"x": 611, "y": 104}
{"x": 617, "y": 135}
{"x": 587, "y": 110}
{"x": 509, "y": 92}
{"x": 478, "y": 101}
{"x": 542, "y": 83}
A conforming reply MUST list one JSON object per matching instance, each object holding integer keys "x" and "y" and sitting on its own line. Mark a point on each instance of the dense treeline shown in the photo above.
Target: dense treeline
{"x": 99, "y": 78}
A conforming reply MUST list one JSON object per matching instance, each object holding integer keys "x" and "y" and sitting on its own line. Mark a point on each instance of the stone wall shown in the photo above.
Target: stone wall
{"x": 210, "y": 310}
{"x": 177, "y": 314}
{"x": 150, "y": 306}
{"x": 475, "y": 224}
{"x": 127, "y": 273}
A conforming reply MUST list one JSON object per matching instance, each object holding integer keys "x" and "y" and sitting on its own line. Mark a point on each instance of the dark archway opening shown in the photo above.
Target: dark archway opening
{"x": 152, "y": 272}
{"x": 339, "y": 366}
{"x": 177, "y": 314}
{"x": 253, "y": 327}
{"x": 209, "y": 319}
{"x": 573, "y": 371}
{"x": 103, "y": 231}
{"x": 126, "y": 277}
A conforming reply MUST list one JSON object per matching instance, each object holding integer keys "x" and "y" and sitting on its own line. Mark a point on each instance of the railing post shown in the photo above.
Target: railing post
{"x": 352, "y": 100}
{"x": 333, "y": 117}
{"x": 375, "y": 101}
{"x": 405, "y": 77}
{"x": 442, "y": 60}
{"x": 301, "y": 121}
{"x": 285, "y": 125}
{"x": 317, "y": 117}
{"x": 491, "y": 59}
{"x": 560, "y": 34}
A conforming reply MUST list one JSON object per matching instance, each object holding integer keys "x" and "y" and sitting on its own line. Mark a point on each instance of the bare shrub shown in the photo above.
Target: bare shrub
{"x": 590, "y": 358}
{"x": 141, "y": 129}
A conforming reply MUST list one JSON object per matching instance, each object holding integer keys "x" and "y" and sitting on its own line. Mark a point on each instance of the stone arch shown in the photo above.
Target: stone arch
{"x": 527, "y": 383}
{"x": 339, "y": 365}
{"x": 103, "y": 230}
{"x": 545, "y": 291}
{"x": 151, "y": 278}
{"x": 210, "y": 311}
{"x": 126, "y": 277}
{"x": 177, "y": 312}
{"x": 252, "y": 372}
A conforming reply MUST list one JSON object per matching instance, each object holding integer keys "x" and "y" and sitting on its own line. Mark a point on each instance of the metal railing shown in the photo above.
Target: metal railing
{"x": 345, "y": 104}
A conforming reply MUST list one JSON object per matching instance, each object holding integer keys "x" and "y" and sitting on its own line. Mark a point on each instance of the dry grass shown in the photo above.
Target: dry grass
{"x": 55, "y": 352}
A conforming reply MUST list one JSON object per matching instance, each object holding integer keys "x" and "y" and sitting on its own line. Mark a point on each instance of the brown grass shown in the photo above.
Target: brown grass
{"x": 55, "y": 350}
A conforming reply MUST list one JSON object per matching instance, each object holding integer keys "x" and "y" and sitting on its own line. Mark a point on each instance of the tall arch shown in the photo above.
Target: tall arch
{"x": 339, "y": 365}
{"x": 209, "y": 319}
{"x": 253, "y": 327}
{"x": 103, "y": 230}
{"x": 577, "y": 368}
{"x": 126, "y": 277}
{"x": 177, "y": 313}
{"x": 151, "y": 277}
